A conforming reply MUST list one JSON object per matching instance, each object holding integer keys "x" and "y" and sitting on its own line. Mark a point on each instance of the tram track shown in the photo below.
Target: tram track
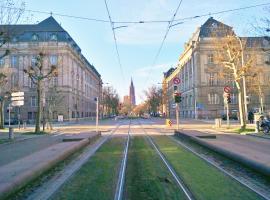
{"x": 50, "y": 187}
{"x": 212, "y": 163}
{"x": 121, "y": 178}
{"x": 176, "y": 177}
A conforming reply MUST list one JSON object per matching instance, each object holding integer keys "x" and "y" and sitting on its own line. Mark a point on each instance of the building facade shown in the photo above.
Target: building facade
{"x": 77, "y": 84}
{"x": 202, "y": 86}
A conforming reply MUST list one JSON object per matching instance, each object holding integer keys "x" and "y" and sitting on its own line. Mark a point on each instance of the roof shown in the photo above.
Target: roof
{"x": 24, "y": 33}
{"x": 214, "y": 28}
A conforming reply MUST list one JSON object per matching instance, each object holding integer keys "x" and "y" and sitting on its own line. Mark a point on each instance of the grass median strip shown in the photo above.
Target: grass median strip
{"x": 146, "y": 176}
{"x": 203, "y": 180}
{"x": 97, "y": 178}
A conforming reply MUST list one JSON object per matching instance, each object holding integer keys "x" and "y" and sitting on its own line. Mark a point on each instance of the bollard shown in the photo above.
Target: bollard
{"x": 24, "y": 125}
{"x": 10, "y": 133}
{"x": 257, "y": 127}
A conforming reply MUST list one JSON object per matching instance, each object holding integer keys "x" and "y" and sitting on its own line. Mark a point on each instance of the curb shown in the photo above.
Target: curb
{"x": 27, "y": 176}
{"x": 258, "y": 136}
{"x": 229, "y": 154}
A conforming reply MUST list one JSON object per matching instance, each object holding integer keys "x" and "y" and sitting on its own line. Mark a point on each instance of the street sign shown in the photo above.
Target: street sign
{"x": 176, "y": 80}
{"x": 17, "y": 98}
{"x": 227, "y": 89}
{"x": 17, "y": 94}
{"x": 17, "y": 103}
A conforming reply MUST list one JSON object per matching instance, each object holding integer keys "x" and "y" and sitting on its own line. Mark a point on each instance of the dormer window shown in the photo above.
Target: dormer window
{"x": 34, "y": 37}
{"x": 53, "y": 37}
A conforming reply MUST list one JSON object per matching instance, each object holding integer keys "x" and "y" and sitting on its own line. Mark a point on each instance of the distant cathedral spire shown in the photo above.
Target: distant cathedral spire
{"x": 132, "y": 94}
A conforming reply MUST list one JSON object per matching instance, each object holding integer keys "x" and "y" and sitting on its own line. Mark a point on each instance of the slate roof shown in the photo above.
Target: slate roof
{"x": 213, "y": 27}
{"x": 44, "y": 30}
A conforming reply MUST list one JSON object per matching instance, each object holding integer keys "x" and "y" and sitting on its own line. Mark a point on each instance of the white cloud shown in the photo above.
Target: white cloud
{"x": 148, "y": 70}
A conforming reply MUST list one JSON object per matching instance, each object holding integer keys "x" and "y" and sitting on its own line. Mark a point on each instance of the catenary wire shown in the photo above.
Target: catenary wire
{"x": 163, "y": 40}
{"x": 139, "y": 21}
{"x": 115, "y": 41}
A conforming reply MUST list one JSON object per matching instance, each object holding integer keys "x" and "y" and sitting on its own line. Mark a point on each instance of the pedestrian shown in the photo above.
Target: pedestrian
{"x": 251, "y": 117}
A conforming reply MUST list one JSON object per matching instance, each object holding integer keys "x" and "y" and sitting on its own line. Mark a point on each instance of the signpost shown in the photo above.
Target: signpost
{"x": 226, "y": 96}
{"x": 177, "y": 98}
{"x": 17, "y": 100}
{"x": 97, "y": 104}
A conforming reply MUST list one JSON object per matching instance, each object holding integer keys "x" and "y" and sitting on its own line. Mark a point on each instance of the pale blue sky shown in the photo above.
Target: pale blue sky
{"x": 138, "y": 44}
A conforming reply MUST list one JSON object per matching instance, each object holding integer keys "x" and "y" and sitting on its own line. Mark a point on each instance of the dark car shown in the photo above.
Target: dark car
{"x": 264, "y": 124}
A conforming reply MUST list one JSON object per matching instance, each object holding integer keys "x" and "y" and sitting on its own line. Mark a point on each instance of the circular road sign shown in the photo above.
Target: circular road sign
{"x": 227, "y": 89}
{"x": 176, "y": 80}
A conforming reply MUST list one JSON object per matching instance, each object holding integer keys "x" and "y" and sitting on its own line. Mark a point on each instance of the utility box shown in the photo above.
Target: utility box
{"x": 257, "y": 118}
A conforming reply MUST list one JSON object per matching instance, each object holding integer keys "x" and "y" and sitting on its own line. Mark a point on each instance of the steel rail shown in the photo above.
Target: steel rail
{"x": 180, "y": 183}
{"x": 121, "y": 178}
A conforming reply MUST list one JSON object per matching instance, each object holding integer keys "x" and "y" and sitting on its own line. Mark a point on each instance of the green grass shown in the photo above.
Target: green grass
{"x": 147, "y": 177}
{"x": 246, "y": 130}
{"x": 2, "y": 141}
{"x": 98, "y": 177}
{"x": 204, "y": 180}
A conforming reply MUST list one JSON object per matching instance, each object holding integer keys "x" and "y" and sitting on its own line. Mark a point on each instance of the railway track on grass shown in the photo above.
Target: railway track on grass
{"x": 120, "y": 184}
{"x": 176, "y": 177}
{"x": 212, "y": 163}
{"x": 47, "y": 189}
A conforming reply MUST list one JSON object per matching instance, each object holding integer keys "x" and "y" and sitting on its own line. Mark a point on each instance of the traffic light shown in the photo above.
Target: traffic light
{"x": 229, "y": 98}
{"x": 177, "y": 97}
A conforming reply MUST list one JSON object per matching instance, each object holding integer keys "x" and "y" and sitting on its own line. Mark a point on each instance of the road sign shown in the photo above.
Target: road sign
{"x": 176, "y": 80}
{"x": 227, "y": 89}
{"x": 17, "y": 103}
{"x": 17, "y": 98}
{"x": 17, "y": 94}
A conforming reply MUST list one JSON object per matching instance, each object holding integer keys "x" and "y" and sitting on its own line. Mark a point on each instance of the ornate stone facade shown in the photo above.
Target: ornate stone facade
{"x": 77, "y": 83}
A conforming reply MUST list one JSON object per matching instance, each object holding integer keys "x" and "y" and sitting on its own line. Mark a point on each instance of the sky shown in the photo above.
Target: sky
{"x": 138, "y": 44}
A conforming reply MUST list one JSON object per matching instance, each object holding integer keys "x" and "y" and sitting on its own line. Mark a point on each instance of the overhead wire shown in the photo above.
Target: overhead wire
{"x": 163, "y": 40}
{"x": 115, "y": 41}
{"x": 139, "y": 21}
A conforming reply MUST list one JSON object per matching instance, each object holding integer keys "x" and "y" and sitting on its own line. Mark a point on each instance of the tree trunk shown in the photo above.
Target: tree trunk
{"x": 37, "y": 128}
{"x": 2, "y": 117}
{"x": 241, "y": 106}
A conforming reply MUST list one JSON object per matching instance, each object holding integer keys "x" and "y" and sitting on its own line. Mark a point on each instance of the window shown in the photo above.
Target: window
{"x": 33, "y": 101}
{"x": 14, "y": 80}
{"x": 33, "y": 61}
{"x": 2, "y": 62}
{"x": 55, "y": 81}
{"x": 34, "y": 37}
{"x": 212, "y": 79}
{"x": 53, "y": 37}
{"x": 213, "y": 98}
{"x": 234, "y": 98}
{"x": 210, "y": 59}
{"x": 14, "y": 61}
{"x": 53, "y": 60}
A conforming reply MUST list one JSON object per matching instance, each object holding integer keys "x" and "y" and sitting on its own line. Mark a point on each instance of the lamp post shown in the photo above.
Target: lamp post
{"x": 244, "y": 77}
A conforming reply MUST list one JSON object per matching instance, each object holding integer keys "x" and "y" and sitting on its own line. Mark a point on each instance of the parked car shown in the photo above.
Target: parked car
{"x": 264, "y": 124}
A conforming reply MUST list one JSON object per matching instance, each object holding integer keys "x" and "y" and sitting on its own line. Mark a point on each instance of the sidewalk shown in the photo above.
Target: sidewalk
{"x": 251, "y": 151}
{"x": 32, "y": 157}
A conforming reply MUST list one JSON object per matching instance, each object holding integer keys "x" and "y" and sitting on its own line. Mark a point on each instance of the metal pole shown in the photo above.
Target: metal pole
{"x": 19, "y": 118}
{"x": 177, "y": 115}
{"x": 9, "y": 108}
{"x": 228, "y": 117}
{"x": 97, "y": 114}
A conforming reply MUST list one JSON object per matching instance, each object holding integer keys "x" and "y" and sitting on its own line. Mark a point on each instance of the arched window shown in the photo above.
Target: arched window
{"x": 35, "y": 37}
{"x": 53, "y": 37}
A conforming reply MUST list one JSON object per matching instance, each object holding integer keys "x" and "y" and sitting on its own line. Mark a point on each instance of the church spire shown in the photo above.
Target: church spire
{"x": 132, "y": 93}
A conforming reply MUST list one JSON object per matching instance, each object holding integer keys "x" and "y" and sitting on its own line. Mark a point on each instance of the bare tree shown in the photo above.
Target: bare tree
{"x": 153, "y": 99}
{"x": 8, "y": 17}
{"x": 53, "y": 99}
{"x": 110, "y": 101}
{"x": 38, "y": 74}
{"x": 230, "y": 55}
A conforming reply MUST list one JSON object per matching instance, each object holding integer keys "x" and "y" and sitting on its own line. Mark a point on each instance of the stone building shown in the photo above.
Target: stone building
{"x": 77, "y": 83}
{"x": 201, "y": 86}
{"x": 132, "y": 94}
